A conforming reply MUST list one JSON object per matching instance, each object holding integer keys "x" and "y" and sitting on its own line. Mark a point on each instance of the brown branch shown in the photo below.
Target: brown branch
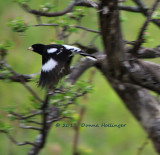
{"x": 76, "y": 137}
{"x": 47, "y": 115}
{"x": 21, "y": 117}
{"x": 24, "y": 83}
{"x": 88, "y": 49}
{"x": 29, "y": 127}
{"x": 34, "y": 122}
{"x": 148, "y": 52}
{"x": 112, "y": 35}
{"x": 144, "y": 74}
{"x": 141, "y": 148}
{"x": 72, "y": 26}
{"x": 19, "y": 77}
{"x": 79, "y": 69}
{"x": 144, "y": 11}
{"x": 140, "y": 38}
{"x": 87, "y": 3}
{"x": 130, "y": 8}
{"x": 14, "y": 141}
{"x": 49, "y": 14}
{"x": 142, "y": 105}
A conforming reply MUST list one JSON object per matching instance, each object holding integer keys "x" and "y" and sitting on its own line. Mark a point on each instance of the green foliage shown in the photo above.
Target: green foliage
{"x": 18, "y": 24}
{"x": 68, "y": 21}
{"x": 5, "y": 73}
{"x": 147, "y": 37}
{"x": 123, "y": 18}
{"x": 71, "y": 92}
{"x": 23, "y": 2}
{"x": 9, "y": 109}
{"x": 78, "y": 13}
{"x": 68, "y": 113}
{"x": 156, "y": 14}
{"x": 74, "y": 117}
{"x": 60, "y": 42}
{"x": 101, "y": 105}
{"x": 84, "y": 150}
{"x": 11, "y": 117}
{"x": 6, "y": 45}
{"x": 5, "y": 127}
{"x": 33, "y": 103}
{"x": 35, "y": 79}
{"x": 46, "y": 7}
{"x": 85, "y": 86}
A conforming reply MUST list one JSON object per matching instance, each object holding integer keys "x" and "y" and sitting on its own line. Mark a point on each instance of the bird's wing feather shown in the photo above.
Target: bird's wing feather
{"x": 52, "y": 71}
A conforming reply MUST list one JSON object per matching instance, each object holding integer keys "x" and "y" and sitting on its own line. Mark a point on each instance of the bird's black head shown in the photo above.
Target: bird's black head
{"x": 38, "y": 48}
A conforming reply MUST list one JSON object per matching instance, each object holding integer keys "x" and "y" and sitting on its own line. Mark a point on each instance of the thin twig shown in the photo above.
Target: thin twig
{"x": 129, "y": 8}
{"x": 49, "y": 14}
{"x": 20, "y": 117}
{"x": 141, "y": 148}
{"x": 140, "y": 38}
{"x": 144, "y": 11}
{"x": 29, "y": 127}
{"x": 24, "y": 83}
{"x": 15, "y": 142}
{"x": 72, "y": 26}
{"x": 44, "y": 119}
{"x": 19, "y": 77}
{"x": 35, "y": 122}
{"x": 76, "y": 137}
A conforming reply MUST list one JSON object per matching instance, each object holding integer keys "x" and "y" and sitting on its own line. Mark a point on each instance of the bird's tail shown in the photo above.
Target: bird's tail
{"x": 88, "y": 56}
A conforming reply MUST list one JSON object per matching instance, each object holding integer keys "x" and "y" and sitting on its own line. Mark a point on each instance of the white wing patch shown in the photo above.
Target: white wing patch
{"x": 91, "y": 58}
{"x": 49, "y": 65}
{"x": 51, "y": 50}
{"x": 68, "y": 47}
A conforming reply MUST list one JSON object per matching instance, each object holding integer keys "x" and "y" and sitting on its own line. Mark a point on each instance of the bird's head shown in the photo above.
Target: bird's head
{"x": 38, "y": 48}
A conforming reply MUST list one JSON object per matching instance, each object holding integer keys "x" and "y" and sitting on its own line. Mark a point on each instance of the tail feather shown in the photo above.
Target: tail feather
{"x": 88, "y": 56}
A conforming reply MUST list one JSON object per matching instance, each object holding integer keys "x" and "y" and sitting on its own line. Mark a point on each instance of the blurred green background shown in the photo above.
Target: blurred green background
{"x": 102, "y": 106}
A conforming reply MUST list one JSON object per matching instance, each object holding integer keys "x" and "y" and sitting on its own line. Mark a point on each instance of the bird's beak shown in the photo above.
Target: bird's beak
{"x": 30, "y": 48}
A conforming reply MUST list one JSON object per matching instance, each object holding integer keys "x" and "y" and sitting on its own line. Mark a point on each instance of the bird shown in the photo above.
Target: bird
{"x": 56, "y": 60}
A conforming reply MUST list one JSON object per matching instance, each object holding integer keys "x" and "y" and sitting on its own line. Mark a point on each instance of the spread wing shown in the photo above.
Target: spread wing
{"x": 54, "y": 68}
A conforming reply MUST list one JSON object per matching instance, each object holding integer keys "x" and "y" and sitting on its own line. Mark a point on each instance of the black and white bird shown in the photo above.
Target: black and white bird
{"x": 56, "y": 60}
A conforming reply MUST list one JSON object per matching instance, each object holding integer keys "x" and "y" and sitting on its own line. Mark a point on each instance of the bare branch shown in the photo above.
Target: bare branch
{"x": 29, "y": 127}
{"x": 72, "y": 26}
{"x": 129, "y": 8}
{"x": 145, "y": 10}
{"x": 76, "y": 137}
{"x": 140, "y": 4}
{"x": 143, "y": 106}
{"x": 14, "y": 141}
{"x": 49, "y": 14}
{"x": 21, "y": 117}
{"x": 87, "y": 3}
{"x": 143, "y": 74}
{"x": 19, "y": 77}
{"x": 34, "y": 122}
{"x": 148, "y": 52}
{"x": 141, "y": 148}
{"x": 23, "y": 83}
{"x": 140, "y": 38}
{"x": 88, "y": 49}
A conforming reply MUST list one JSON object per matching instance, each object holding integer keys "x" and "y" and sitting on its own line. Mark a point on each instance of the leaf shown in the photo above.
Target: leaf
{"x": 6, "y": 45}
{"x": 156, "y": 14}
{"x": 18, "y": 24}
{"x": 23, "y": 2}
{"x": 46, "y": 7}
